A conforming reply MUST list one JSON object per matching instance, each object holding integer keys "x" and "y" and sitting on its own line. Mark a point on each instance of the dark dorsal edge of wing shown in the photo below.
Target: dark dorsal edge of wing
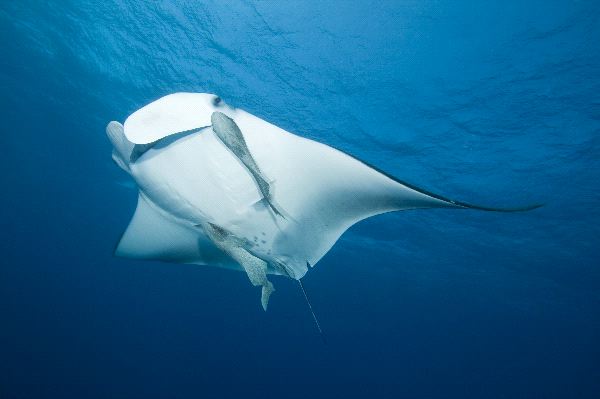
{"x": 459, "y": 204}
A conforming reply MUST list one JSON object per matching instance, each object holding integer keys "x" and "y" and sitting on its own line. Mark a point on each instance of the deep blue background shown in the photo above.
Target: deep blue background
{"x": 490, "y": 102}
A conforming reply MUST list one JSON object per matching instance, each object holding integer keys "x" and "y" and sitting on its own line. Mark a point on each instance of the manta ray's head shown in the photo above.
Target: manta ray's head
{"x": 173, "y": 114}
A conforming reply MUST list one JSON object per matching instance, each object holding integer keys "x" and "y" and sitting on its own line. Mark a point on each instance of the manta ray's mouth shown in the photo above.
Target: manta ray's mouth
{"x": 141, "y": 149}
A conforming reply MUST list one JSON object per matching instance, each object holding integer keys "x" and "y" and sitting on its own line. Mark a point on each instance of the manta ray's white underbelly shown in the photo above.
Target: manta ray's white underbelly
{"x": 196, "y": 179}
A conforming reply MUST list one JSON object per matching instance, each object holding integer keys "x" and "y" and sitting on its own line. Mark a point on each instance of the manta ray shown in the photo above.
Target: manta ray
{"x": 221, "y": 187}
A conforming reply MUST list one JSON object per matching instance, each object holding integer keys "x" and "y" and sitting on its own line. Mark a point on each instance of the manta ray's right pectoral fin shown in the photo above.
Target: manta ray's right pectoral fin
{"x": 153, "y": 234}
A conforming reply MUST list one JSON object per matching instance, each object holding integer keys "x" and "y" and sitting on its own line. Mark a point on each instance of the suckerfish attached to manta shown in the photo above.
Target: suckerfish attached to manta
{"x": 230, "y": 134}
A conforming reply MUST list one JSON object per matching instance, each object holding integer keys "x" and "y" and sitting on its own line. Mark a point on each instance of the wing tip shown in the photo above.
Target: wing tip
{"x": 493, "y": 209}
{"x": 448, "y": 201}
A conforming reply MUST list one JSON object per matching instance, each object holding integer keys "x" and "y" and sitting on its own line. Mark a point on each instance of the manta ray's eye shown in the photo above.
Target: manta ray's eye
{"x": 216, "y": 101}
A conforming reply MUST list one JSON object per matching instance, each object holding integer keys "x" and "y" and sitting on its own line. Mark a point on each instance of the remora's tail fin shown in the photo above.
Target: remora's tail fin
{"x": 266, "y": 291}
{"x": 273, "y": 208}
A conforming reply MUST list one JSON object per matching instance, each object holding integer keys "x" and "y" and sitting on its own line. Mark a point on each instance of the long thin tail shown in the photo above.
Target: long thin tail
{"x": 312, "y": 312}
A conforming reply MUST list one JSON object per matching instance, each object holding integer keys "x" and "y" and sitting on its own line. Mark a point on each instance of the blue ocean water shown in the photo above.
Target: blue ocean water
{"x": 496, "y": 103}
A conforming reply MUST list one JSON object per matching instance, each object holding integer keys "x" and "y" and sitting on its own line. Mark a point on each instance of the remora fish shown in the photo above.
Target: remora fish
{"x": 231, "y": 136}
